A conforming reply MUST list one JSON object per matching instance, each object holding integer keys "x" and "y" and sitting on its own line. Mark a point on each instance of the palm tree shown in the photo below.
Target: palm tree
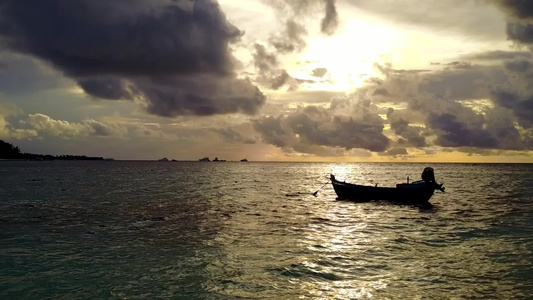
{"x": 8, "y": 151}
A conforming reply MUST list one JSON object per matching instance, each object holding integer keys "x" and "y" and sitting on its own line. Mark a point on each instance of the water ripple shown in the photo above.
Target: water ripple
{"x": 230, "y": 230}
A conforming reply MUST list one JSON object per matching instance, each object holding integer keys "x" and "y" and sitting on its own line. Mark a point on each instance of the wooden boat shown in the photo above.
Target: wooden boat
{"x": 410, "y": 193}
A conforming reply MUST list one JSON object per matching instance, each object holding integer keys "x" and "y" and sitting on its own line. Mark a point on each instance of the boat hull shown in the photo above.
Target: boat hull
{"x": 419, "y": 192}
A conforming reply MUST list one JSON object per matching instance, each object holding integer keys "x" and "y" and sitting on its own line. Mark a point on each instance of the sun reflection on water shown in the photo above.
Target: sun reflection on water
{"x": 337, "y": 243}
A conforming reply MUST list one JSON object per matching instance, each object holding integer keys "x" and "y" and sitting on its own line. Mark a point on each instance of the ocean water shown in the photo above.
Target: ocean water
{"x": 191, "y": 230}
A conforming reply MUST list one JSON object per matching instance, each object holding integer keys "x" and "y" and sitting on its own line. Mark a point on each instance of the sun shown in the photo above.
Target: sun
{"x": 349, "y": 56}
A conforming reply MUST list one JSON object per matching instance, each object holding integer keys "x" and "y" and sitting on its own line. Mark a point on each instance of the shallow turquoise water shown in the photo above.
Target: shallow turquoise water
{"x": 149, "y": 230}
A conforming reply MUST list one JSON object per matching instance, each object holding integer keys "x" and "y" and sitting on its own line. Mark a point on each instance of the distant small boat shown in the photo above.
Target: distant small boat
{"x": 204, "y": 159}
{"x": 244, "y": 160}
{"x": 410, "y": 193}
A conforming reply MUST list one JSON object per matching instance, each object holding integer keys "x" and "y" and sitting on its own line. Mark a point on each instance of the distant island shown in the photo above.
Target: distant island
{"x": 9, "y": 151}
{"x": 206, "y": 159}
{"x": 215, "y": 160}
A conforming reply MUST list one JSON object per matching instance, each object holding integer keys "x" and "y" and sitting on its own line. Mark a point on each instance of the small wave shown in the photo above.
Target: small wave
{"x": 302, "y": 271}
{"x": 296, "y": 194}
{"x": 320, "y": 220}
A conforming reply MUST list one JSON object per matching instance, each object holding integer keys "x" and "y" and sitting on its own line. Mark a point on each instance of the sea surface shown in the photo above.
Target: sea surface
{"x": 232, "y": 230}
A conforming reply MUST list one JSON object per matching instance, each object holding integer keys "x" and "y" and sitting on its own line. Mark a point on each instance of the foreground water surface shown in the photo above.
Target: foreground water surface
{"x": 191, "y": 230}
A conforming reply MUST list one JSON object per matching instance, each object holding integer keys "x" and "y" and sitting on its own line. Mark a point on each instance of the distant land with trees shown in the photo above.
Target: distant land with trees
{"x": 9, "y": 151}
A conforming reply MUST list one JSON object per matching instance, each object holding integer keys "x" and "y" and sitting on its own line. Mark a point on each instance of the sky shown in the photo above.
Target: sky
{"x": 269, "y": 80}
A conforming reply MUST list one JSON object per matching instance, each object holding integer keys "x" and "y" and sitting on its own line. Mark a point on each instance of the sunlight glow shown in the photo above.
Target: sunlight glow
{"x": 480, "y": 106}
{"x": 349, "y": 56}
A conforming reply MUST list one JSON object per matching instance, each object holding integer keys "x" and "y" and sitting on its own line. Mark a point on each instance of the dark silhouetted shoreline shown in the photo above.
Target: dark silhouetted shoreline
{"x": 9, "y": 151}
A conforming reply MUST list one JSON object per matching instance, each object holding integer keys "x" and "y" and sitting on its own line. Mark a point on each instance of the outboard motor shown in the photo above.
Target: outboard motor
{"x": 428, "y": 175}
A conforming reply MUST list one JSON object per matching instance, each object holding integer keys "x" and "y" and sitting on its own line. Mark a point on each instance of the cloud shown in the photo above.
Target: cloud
{"x": 231, "y": 136}
{"x": 289, "y": 40}
{"x": 436, "y": 100}
{"x": 516, "y": 93}
{"x": 348, "y": 124}
{"x": 319, "y": 72}
{"x": 120, "y": 129}
{"x": 7, "y": 131}
{"x": 459, "y": 65}
{"x": 498, "y": 55}
{"x": 329, "y": 23}
{"x": 65, "y": 129}
{"x": 24, "y": 74}
{"x": 137, "y": 50}
{"x": 394, "y": 152}
{"x": 520, "y": 20}
{"x": 452, "y": 17}
{"x": 522, "y": 107}
{"x": 297, "y": 9}
{"x": 518, "y": 9}
{"x": 460, "y": 83}
{"x": 412, "y": 134}
{"x": 453, "y": 133}
{"x": 107, "y": 87}
{"x": 201, "y": 95}
{"x": 522, "y": 33}
{"x": 380, "y": 92}
{"x": 270, "y": 73}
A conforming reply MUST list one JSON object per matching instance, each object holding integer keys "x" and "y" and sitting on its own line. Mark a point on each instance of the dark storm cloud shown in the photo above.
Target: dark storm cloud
{"x": 273, "y": 131}
{"x": 517, "y": 93}
{"x": 519, "y": 9}
{"x": 520, "y": 23}
{"x": 518, "y": 65}
{"x": 460, "y": 83}
{"x": 106, "y": 87}
{"x": 200, "y": 95}
{"x": 452, "y": 133}
{"x": 436, "y": 101}
{"x": 456, "y": 125}
{"x": 402, "y": 128}
{"x": 308, "y": 126}
{"x": 112, "y": 47}
{"x": 522, "y": 107}
{"x": 522, "y": 33}
{"x": 315, "y": 125}
{"x": 83, "y": 38}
